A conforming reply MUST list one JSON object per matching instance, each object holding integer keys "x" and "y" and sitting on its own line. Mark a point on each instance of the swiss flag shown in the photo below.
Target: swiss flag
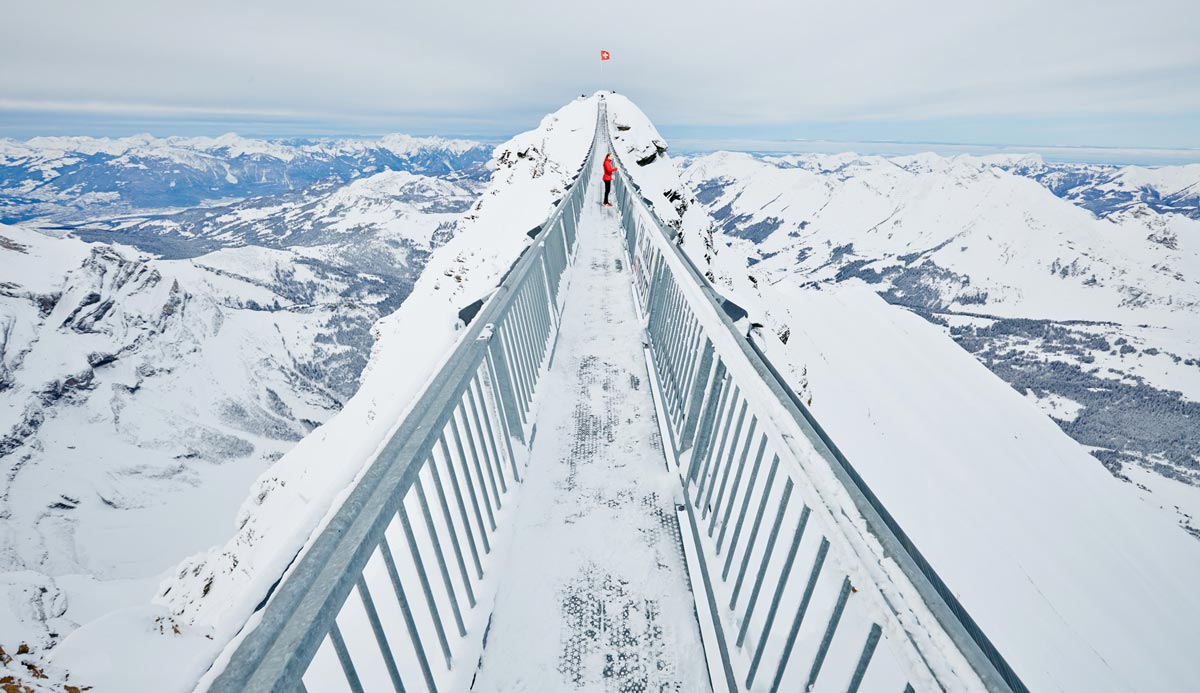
{"x": 605, "y": 56}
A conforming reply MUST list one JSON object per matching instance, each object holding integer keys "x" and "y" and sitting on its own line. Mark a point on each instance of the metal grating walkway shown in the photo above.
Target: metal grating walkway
{"x": 595, "y": 594}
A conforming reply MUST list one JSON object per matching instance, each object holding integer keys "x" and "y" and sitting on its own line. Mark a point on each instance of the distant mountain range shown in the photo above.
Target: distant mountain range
{"x": 1109, "y": 190}
{"x": 68, "y": 178}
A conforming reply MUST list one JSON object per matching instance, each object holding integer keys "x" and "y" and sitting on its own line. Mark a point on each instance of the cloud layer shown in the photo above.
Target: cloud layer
{"x": 775, "y": 65}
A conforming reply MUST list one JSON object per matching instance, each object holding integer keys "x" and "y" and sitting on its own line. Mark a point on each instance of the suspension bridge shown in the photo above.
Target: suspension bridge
{"x": 608, "y": 486}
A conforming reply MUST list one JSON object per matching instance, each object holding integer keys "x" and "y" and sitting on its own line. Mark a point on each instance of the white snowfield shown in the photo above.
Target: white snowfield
{"x": 1027, "y": 254}
{"x": 1079, "y": 584}
{"x": 118, "y": 368}
{"x": 141, "y": 396}
{"x": 998, "y": 244}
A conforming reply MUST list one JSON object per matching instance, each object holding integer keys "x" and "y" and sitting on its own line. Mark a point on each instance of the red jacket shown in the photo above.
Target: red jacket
{"x": 609, "y": 168}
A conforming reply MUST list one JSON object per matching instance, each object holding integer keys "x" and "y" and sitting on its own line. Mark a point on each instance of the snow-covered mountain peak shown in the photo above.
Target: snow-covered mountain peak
{"x": 407, "y": 144}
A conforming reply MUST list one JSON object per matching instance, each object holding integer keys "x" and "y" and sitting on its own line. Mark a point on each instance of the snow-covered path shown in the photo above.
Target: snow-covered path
{"x": 595, "y": 595}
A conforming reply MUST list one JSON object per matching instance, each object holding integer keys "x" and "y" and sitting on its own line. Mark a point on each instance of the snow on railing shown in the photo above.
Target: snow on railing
{"x": 395, "y": 592}
{"x": 808, "y": 580}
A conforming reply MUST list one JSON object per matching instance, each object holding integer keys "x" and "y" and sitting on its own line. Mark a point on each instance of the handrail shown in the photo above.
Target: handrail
{"x": 695, "y": 384}
{"x": 457, "y": 442}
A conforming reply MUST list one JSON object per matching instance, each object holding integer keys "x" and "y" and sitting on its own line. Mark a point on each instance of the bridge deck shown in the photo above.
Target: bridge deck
{"x": 594, "y": 593}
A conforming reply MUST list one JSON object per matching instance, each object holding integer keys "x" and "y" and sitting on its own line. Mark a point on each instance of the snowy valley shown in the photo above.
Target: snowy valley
{"x": 156, "y": 357}
{"x": 1078, "y": 285}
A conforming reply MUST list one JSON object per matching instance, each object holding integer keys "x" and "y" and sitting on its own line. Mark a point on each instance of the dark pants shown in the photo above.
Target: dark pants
{"x": 607, "y": 187}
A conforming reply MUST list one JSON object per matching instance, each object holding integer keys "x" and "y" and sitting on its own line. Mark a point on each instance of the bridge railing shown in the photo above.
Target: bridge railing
{"x": 809, "y": 582}
{"x": 394, "y": 593}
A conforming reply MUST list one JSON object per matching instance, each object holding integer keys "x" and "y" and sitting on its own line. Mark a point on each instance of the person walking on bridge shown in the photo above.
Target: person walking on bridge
{"x": 609, "y": 168}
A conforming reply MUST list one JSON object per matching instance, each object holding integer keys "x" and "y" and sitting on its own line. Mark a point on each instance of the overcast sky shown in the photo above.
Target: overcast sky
{"x": 1046, "y": 72}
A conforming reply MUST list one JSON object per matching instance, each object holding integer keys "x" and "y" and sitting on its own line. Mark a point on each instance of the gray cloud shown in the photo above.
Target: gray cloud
{"x": 695, "y": 63}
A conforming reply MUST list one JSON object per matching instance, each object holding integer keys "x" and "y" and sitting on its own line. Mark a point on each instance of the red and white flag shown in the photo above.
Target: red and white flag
{"x": 605, "y": 56}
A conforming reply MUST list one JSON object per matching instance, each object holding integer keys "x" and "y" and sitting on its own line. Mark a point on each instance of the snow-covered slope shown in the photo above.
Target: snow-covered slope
{"x": 137, "y": 393}
{"x": 1080, "y": 582}
{"x": 214, "y": 593}
{"x": 1097, "y": 319}
{"x": 141, "y": 394}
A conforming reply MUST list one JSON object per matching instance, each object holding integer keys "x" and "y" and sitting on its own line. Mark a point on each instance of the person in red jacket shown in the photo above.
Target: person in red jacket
{"x": 609, "y": 168}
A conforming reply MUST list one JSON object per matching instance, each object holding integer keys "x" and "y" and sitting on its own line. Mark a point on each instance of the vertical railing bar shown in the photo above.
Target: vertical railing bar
{"x": 691, "y": 347}
{"x": 811, "y": 587}
{"x": 556, "y": 265}
{"x": 741, "y": 467}
{"x": 683, "y": 338}
{"x": 548, "y": 328}
{"x": 668, "y": 332}
{"x": 716, "y": 388}
{"x": 462, "y": 507}
{"x": 405, "y": 610}
{"x": 679, "y": 336}
{"x": 834, "y": 618}
{"x": 440, "y": 556}
{"x": 508, "y": 353}
{"x": 522, "y": 346}
{"x": 343, "y": 655}
{"x": 864, "y": 660}
{"x": 483, "y": 532}
{"x": 551, "y": 285}
{"x": 543, "y": 326}
{"x": 454, "y": 542}
{"x": 696, "y": 397}
{"x": 461, "y": 409}
{"x": 714, "y": 454}
{"x": 754, "y": 527}
{"x": 512, "y": 459}
{"x": 762, "y": 447}
{"x": 385, "y": 649}
{"x": 691, "y": 355}
{"x": 773, "y": 609}
{"x": 695, "y": 354}
{"x": 723, "y": 469}
{"x": 653, "y": 311}
{"x": 569, "y": 231}
{"x": 656, "y": 291}
{"x": 504, "y": 390}
{"x": 649, "y": 270}
{"x": 536, "y": 304}
{"x": 656, "y": 326}
{"x": 675, "y": 349}
{"x": 520, "y": 350}
{"x": 423, "y": 577}
{"x": 712, "y": 417}
{"x": 768, "y": 550}
{"x": 490, "y": 450}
